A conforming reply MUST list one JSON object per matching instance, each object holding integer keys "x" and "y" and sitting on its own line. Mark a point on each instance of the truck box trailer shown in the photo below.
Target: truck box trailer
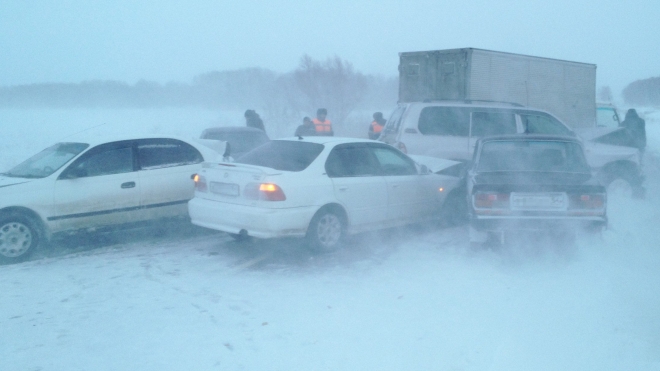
{"x": 563, "y": 88}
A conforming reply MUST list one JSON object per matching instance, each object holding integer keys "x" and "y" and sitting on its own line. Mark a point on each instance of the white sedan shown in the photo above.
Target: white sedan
{"x": 321, "y": 188}
{"x": 89, "y": 183}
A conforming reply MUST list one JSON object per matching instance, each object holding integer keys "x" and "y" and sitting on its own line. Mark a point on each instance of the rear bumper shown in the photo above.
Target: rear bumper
{"x": 538, "y": 223}
{"x": 256, "y": 221}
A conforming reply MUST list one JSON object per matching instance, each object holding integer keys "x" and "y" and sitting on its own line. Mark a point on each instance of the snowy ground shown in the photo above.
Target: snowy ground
{"x": 406, "y": 299}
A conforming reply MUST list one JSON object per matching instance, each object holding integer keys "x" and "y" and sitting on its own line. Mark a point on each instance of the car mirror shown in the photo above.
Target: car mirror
{"x": 423, "y": 169}
{"x": 75, "y": 173}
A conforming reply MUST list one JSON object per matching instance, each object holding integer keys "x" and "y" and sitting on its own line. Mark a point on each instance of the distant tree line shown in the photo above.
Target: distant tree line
{"x": 643, "y": 92}
{"x": 333, "y": 84}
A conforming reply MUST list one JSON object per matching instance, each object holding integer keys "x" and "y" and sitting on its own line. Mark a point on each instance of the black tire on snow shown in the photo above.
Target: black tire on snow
{"x": 326, "y": 231}
{"x": 19, "y": 237}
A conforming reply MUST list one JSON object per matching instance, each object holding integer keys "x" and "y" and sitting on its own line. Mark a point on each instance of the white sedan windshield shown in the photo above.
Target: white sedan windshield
{"x": 47, "y": 161}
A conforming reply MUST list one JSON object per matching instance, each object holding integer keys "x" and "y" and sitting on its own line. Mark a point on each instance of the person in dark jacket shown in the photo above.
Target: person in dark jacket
{"x": 376, "y": 125}
{"x": 306, "y": 129}
{"x": 636, "y": 126}
{"x": 252, "y": 120}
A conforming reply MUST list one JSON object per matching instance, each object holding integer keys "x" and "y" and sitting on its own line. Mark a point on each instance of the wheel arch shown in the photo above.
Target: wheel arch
{"x": 30, "y": 214}
{"x": 625, "y": 169}
{"x": 337, "y": 208}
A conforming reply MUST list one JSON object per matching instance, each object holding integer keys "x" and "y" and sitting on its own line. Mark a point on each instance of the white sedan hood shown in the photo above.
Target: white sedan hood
{"x": 6, "y": 181}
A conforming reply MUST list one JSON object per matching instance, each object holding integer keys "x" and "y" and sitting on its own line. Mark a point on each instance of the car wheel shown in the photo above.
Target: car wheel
{"x": 19, "y": 237}
{"x": 620, "y": 187}
{"x": 240, "y": 237}
{"x": 326, "y": 231}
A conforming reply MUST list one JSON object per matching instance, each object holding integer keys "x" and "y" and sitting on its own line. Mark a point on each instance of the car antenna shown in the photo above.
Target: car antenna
{"x": 84, "y": 130}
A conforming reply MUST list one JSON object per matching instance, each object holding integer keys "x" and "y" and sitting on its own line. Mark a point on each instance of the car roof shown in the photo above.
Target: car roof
{"x": 536, "y": 137}
{"x": 233, "y": 129}
{"x": 476, "y": 103}
{"x": 96, "y": 139}
{"x": 328, "y": 140}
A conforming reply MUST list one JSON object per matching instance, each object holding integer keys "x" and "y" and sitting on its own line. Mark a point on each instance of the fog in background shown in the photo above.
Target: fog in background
{"x": 128, "y": 41}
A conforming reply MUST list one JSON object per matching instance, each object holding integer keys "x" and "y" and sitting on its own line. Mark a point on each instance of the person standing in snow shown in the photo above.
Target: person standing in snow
{"x": 306, "y": 129}
{"x": 323, "y": 126}
{"x": 252, "y": 120}
{"x": 636, "y": 126}
{"x": 376, "y": 125}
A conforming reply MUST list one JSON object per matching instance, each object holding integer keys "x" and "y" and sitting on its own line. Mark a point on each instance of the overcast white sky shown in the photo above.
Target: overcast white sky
{"x": 130, "y": 40}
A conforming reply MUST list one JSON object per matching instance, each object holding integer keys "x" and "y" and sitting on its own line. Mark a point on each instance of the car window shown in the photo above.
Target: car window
{"x": 160, "y": 153}
{"x": 283, "y": 155}
{"x": 452, "y": 121}
{"x": 240, "y": 141}
{"x": 493, "y": 123}
{"x": 394, "y": 121}
{"x": 106, "y": 159}
{"x": 607, "y": 117}
{"x": 532, "y": 155}
{"x": 543, "y": 124}
{"x": 47, "y": 161}
{"x": 393, "y": 162}
{"x": 350, "y": 160}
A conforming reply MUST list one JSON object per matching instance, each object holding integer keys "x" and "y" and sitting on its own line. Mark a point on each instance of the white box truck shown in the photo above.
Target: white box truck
{"x": 565, "y": 89}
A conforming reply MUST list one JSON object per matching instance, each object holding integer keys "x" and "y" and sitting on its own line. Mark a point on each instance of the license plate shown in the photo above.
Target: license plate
{"x": 225, "y": 189}
{"x": 538, "y": 201}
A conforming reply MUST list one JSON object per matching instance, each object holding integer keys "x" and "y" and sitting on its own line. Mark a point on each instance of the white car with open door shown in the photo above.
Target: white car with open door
{"x": 91, "y": 183}
{"x": 321, "y": 188}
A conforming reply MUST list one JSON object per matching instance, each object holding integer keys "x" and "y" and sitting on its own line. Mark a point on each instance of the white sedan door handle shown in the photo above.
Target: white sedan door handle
{"x": 343, "y": 188}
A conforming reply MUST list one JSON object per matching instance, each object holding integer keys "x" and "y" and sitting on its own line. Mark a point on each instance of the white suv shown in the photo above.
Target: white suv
{"x": 450, "y": 129}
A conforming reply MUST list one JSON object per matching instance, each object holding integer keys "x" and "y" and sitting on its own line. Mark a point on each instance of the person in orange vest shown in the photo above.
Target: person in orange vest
{"x": 323, "y": 126}
{"x": 376, "y": 125}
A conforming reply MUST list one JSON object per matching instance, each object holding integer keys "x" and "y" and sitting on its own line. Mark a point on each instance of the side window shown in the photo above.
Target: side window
{"x": 493, "y": 123}
{"x": 351, "y": 161}
{"x": 543, "y": 124}
{"x": 160, "y": 153}
{"x": 393, "y": 162}
{"x": 113, "y": 158}
{"x": 444, "y": 121}
{"x": 394, "y": 121}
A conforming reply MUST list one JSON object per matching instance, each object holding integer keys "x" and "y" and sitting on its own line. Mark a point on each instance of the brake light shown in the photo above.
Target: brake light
{"x": 264, "y": 192}
{"x": 491, "y": 200}
{"x": 402, "y": 147}
{"x": 200, "y": 183}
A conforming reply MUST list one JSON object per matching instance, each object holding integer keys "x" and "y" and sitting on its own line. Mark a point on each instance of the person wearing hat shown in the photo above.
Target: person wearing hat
{"x": 323, "y": 126}
{"x": 252, "y": 120}
{"x": 376, "y": 126}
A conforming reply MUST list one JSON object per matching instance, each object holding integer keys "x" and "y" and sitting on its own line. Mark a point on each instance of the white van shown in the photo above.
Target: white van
{"x": 450, "y": 129}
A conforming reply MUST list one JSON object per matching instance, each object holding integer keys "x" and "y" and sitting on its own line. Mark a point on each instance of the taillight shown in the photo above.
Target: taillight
{"x": 264, "y": 192}
{"x": 200, "y": 183}
{"x": 587, "y": 201}
{"x": 402, "y": 147}
{"x": 491, "y": 200}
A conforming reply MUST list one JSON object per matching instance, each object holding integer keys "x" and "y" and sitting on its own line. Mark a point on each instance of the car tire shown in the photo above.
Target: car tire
{"x": 240, "y": 237}
{"x": 326, "y": 231}
{"x": 19, "y": 237}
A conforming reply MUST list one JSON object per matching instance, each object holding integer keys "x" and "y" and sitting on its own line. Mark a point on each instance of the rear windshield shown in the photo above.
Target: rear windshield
{"x": 283, "y": 155}
{"x": 240, "y": 142}
{"x": 543, "y": 156}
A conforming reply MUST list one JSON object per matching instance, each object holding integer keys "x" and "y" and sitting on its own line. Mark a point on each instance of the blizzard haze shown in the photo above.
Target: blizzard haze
{"x": 406, "y": 299}
{"x": 74, "y": 41}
